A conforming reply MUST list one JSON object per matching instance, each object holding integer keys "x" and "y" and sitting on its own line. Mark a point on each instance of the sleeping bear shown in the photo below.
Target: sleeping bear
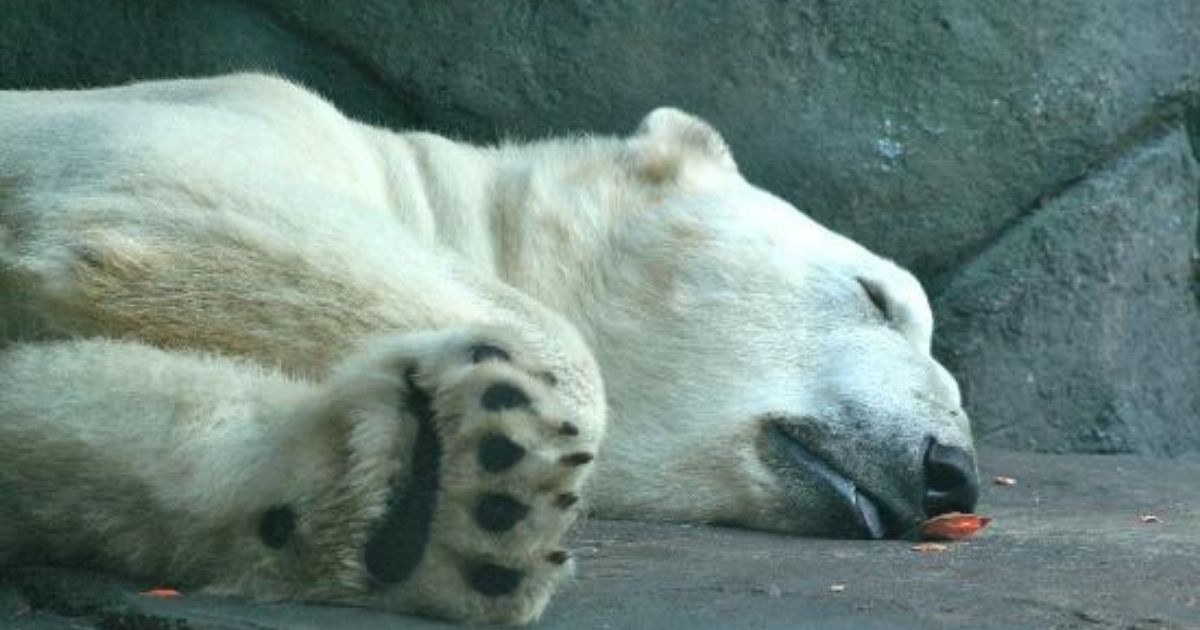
{"x": 253, "y": 346}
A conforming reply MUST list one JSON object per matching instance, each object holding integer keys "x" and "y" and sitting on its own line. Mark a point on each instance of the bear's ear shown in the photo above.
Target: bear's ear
{"x": 668, "y": 142}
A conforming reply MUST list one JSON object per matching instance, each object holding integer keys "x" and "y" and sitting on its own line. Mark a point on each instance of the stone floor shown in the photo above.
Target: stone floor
{"x": 1067, "y": 549}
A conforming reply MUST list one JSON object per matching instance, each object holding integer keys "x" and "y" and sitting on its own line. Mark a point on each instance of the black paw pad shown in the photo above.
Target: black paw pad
{"x": 568, "y": 428}
{"x": 481, "y": 352}
{"x": 558, "y": 557}
{"x": 397, "y": 541}
{"x": 493, "y": 580}
{"x": 498, "y": 512}
{"x": 497, "y": 453}
{"x": 564, "y": 501}
{"x": 503, "y": 396}
{"x": 276, "y": 526}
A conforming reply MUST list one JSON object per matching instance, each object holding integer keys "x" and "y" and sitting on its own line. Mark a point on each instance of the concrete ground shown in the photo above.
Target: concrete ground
{"x": 1067, "y": 549}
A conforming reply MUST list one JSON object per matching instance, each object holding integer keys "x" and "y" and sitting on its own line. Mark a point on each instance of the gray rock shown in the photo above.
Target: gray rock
{"x": 1076, "y": 331}
{"x": 80, "y": 43}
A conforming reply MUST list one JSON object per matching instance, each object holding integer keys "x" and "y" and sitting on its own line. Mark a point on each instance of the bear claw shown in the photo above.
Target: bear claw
{"x": 566, "y": 500}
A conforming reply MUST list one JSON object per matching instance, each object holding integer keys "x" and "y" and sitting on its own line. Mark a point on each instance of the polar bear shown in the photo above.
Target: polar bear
{"x": 254, "y": 346}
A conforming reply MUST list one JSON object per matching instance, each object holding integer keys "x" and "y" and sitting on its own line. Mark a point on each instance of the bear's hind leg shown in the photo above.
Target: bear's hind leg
{"x": 431, "y": 472}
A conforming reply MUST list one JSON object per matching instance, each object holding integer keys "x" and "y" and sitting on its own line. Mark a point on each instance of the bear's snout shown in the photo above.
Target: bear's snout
{"x": 951, "y": 480}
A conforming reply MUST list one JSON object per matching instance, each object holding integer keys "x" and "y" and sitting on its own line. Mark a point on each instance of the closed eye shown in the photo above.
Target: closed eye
{"x": 878, "y": 299}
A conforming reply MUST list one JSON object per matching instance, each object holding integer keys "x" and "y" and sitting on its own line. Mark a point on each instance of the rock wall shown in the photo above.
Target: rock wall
{"x": 1076, "y": 329}
{"x": 1030, "y": 160}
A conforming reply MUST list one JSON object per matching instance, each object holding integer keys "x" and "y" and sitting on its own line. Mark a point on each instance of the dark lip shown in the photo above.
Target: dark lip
{"x": 873, "y": 517}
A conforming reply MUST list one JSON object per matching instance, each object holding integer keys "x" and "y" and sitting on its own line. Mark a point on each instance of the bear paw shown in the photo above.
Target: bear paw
{"x": 478, "y": 503}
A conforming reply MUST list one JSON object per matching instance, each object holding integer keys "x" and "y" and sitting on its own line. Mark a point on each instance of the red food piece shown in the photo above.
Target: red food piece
{"x": 161, "y": 593}
{"x": 953, "y": 526}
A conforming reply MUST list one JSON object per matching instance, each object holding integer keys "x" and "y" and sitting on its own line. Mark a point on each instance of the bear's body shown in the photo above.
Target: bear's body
{"x": 333, "y": 362}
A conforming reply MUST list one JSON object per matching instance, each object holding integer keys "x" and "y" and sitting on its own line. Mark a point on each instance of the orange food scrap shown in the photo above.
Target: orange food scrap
{"x": 1149, "y": 518}
{"x": 953, "y": 526}
{"x": 161, "y": 593}
{"x": 1003, "y": 480}
{"x": 929, "y": 547}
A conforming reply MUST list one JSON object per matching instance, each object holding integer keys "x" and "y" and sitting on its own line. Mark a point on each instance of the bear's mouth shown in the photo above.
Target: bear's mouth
{"x": 872, "y": 517}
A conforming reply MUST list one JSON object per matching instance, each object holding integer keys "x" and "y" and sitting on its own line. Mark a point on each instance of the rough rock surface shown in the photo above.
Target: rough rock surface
{"x": 930, "y": 130}
{"x": 1076, "y": 330}
{"x": 1067, "y": 549}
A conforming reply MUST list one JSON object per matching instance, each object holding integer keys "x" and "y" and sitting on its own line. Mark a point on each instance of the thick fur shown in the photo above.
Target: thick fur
{"x": 222, "y": 298}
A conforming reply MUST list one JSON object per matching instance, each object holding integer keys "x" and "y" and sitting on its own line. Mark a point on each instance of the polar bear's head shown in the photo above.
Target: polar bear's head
{"x": 761, "y": 370}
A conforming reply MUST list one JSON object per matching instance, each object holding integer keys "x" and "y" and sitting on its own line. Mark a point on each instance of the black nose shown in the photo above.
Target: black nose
{"x": 951, "y": 484}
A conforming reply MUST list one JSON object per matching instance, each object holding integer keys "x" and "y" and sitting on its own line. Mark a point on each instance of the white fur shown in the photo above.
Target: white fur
{"x": 244, "y": 216}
